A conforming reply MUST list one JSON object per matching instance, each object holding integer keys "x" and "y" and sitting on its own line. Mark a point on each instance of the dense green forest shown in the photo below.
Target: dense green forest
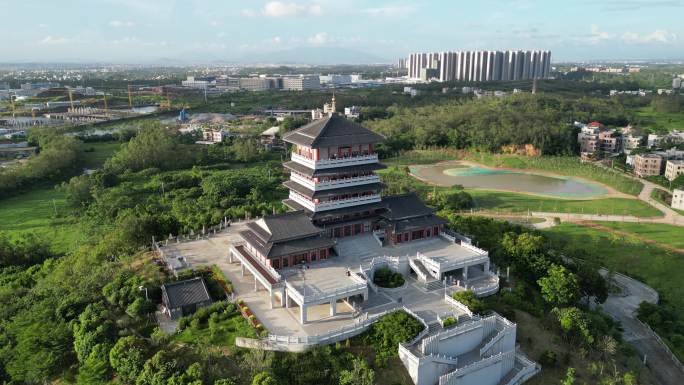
{"x": 491, "y": 124}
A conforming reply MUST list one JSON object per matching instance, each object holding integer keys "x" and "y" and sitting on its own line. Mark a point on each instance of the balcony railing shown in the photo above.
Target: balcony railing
{"x": 336, "y": 162}
{"x": 337, "y": 183}
{"x": 337, "y": 204}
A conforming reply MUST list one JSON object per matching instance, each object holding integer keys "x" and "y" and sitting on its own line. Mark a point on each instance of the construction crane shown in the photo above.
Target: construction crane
{"x": 130, "y": 100}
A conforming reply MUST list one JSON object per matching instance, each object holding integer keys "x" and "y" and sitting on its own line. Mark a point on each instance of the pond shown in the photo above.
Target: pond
{"x": 480, "y": 177}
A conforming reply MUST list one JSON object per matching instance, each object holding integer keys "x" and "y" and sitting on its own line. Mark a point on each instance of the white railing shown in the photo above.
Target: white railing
{"x": 451, "y": 378}
{"x": 333, "y": 336}
{"x": 476, "y": 249}
{"x": 450, "y": 265}
{"x": 420, "y": 272}
{"x": 337, "y": 162}
{"x": 329, "y": 205}
{"x": 253, "y": 269}
{"x": 337, "y": 183}
{"x": 305, "y": 298}
{"x": 529, "y": 369}
{"x": 662, "y": 344}
{"x": 457, "y": 305}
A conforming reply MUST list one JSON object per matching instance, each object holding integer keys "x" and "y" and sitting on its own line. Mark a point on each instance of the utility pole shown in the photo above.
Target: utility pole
{"x": 130, "y": 100}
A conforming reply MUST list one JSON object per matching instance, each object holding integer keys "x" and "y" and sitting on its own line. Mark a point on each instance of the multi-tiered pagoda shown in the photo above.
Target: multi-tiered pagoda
{"x": 332, "y": 175}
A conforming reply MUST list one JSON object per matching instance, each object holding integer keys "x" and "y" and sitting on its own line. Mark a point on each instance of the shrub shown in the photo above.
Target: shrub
{"x": 469, "y": 299}
{"x": 548, "y": 358}
{"x": 449, "y": 321}
{"x": 384, "y": 277}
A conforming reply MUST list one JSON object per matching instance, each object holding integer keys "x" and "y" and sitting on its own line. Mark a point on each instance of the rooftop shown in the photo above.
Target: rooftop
{"x": 333, "y": 130}
{"x": 183, "y": 293}
{"x": 283, "y": 234}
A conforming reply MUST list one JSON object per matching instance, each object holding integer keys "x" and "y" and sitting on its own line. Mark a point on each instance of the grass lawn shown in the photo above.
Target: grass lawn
{"x": 562, "y": 165}
{"x": 97, "y": 153}
{"x": 659, "y": 121}
{"x": 225, "y": 334}
{"x": 521, "y": 203}
{"x": 669, "y": 235}
{"x": 34, "y": 211}
{"x": 657, "y": 267}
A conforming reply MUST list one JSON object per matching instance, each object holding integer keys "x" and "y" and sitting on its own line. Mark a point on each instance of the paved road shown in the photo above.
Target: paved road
{"x": 622, "y": 307}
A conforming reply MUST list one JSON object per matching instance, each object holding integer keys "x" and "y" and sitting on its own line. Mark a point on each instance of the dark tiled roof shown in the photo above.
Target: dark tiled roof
{"x": 300, "y": 245}
{"x": 285, "y": 226}
{"x": 418, "y": 223}
{"x": 287, "y": 233}
{"x": 405, "y": 206}
{"x": 294, "y": 166}
{"x": 333, "y": 130}
{"x": 188, "y": 292}
{"x": 335, "y": 191}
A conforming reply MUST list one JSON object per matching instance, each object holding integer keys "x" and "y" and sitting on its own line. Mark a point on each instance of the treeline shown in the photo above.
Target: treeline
{"x": 58, "y": 159}
{"x": 490, "y": 124}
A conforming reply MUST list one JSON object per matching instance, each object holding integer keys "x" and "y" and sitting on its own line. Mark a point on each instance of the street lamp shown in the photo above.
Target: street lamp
{"x": 141, "y": 288}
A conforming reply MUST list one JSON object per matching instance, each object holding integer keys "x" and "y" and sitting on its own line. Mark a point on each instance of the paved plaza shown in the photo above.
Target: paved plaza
{"x": 320, "y": 276}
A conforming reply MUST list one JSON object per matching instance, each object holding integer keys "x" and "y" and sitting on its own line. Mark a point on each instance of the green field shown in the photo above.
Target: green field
{"x": 659, "y": 268}
{"x": 669, "y": 235}
{"x": 520, "y": 203}
{"x": 34, "y": 211}
{"x": 95, "y": 154}
{"x": 660, "y": 122}
{"x": 421, "y": 157}
{"x": 562, "y": 165}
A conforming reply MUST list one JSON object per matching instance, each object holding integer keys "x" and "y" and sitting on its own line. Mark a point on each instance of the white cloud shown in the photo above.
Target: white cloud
{"x": 41, "y": 25}
{"x": 276, "y": 40}
{"x": 120, "y": 23}
{"x": 52, "y": 40}
{"x": 318, "y": 39}
{"x": 657, "y": 36}
{"x": 285, "y": 9}
{"x": 390, "y": 10}
{"x": 598, "y": 36}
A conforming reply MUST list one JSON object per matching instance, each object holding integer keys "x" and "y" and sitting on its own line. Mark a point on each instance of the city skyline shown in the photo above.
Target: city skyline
{"x": 326, "y": 31}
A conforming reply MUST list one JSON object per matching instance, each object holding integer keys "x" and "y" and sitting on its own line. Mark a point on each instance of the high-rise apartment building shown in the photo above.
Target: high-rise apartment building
{"x": 481, "y": 66}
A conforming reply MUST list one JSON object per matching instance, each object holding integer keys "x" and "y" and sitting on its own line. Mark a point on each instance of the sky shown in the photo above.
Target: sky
{"x": 348, "y": 31}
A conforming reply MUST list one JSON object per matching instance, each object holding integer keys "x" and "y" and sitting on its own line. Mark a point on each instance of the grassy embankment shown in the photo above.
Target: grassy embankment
{"x": 43, "y": 210}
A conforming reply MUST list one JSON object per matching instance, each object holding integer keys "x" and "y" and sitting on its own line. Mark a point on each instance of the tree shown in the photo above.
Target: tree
{"x": 574, "y": 323}
{"x": 95, "y": 369}
{"x": 360, "y": 374}
{"x": 127, "y": 357}
{"x": 569, "y": 377}
{"x": 153, "y": 147}
{"x": 560, "y": 287}
{"x": 264, "y": 378}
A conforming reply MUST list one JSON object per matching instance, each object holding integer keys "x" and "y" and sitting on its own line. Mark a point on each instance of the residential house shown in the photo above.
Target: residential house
{"x": 647, "y": 165}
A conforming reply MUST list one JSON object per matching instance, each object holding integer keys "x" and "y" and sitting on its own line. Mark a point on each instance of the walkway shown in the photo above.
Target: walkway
{"x": 622, "y": 307}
